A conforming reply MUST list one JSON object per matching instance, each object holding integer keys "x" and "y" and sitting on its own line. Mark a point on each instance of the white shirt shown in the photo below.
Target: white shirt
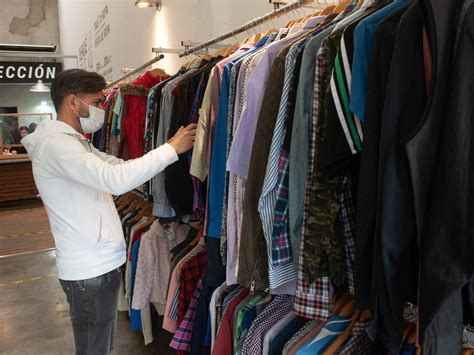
{"x": 76, "y": 182}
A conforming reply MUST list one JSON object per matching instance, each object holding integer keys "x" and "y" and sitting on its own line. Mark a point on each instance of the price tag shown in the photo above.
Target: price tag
{"x": 170, "y": 234}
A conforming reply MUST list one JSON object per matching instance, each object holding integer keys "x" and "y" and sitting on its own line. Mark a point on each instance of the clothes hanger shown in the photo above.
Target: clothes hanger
{"x": 148, "y": 223}
{"x": 122, "y": 198}
{"x": 157, "y": 72}
{"x": 341, "y": 7}
{"x": 230, "y": 50}
{"x": 407, "y": 329}
{"x": 339, "y": 303}
{"x": 328, "y": 10}
{"x": 315, "y": 14}
{"x": 256, "y": 38}
{"x": 348, "y": 309}
{"x": 145, "y": 212}
{"x": 364, "y": 316}
{"x": 269, "y": 32}
{"x": 133, "y": 206}
{"x": 206, "y": 57}
{"x": 129, "y": 199}
{"x": 126, "y": 201}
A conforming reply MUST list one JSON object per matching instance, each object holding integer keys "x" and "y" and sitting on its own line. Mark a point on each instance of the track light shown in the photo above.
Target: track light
{"x": 148, "y": 3}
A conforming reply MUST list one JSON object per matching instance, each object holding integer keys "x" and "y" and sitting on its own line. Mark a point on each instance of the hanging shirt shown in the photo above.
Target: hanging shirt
{"x": 335, "y": 326}
{"x": 239, "y": 156}
{"x": 219, "y": 148}
{"x": 281, "y": 267}
{"x": 362, "y": 49}
{"x": 182, "y": 337}
{"x": 278, "y": 308}
{"x": 199, "y": 167}
{"x": 161, "y": 205}
{"x": 154, "y": 264}
{"x": 300, "y": 140}
{"x": 135, "y": 317}
{"x": 134, "y": 120}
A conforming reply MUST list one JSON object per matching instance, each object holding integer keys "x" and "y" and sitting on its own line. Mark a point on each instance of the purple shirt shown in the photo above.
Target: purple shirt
{"x": 239, "y": 156}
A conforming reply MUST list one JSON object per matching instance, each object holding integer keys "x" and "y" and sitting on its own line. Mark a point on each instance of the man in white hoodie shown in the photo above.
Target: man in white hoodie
{"x": 76, "y": 183}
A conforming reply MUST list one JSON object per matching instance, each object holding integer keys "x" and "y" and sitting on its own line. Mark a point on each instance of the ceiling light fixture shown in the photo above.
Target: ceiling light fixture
{"x": 148, "y": 3}
{"x": 39, "y": 87}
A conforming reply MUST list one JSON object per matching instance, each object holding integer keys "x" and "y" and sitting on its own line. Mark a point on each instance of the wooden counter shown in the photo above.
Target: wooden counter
{"x": 16, "y": 180}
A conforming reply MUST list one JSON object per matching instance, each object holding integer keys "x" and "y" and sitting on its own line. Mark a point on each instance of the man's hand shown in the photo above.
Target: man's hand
{"x": 183, "y": 140}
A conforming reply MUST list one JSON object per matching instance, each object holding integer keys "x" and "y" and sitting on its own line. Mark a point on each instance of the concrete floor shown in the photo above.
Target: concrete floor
{"x": 34, "y": 314}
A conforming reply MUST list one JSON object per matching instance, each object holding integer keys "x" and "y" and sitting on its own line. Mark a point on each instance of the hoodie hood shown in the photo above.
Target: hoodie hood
{"x": 44, "y": 130}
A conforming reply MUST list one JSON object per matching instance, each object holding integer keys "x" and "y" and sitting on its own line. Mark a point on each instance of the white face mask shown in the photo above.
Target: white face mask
{"x": 95, "y": 120}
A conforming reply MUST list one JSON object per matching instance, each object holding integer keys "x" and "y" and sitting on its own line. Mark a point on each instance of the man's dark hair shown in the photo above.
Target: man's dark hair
{"x": 23, "y": 128}
{"x": 75, "y": 81}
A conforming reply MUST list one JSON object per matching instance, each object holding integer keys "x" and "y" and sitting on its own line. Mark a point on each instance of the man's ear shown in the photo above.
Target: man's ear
{"x": 72, "y": 102}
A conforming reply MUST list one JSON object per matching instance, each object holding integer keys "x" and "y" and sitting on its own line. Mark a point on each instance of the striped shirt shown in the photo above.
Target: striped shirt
{"x": 281, "y": 266}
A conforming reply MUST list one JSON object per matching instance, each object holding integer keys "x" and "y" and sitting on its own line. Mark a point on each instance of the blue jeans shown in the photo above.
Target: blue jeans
{"x": 93, "y": 311}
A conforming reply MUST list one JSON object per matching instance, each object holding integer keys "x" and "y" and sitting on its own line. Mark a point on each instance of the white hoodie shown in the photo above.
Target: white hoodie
{"x": 76, "y": 181}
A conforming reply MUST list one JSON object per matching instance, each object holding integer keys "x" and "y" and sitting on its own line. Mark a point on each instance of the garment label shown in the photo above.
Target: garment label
{"x": 170, "y": 234}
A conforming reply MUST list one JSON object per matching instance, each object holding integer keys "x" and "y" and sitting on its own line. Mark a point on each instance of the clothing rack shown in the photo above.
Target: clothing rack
{"x": 249, "y": 25}
{"x": 136, "y": 70}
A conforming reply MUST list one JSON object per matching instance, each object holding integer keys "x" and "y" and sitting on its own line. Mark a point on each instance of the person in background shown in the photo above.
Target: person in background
{"x": 76, "y": 183}
{"x": 24, "y": 131}
{"x": 32, "y": 127}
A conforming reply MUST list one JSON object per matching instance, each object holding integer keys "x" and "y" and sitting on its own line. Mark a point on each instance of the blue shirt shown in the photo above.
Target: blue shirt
{"x": 331, "y": 331}
{"x": 217, "y": 171}
{"x": 362, "y": 51}
{"x": 135, "y": 315}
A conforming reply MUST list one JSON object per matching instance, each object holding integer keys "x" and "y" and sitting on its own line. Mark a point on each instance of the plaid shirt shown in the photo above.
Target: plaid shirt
{"x": 347, "y": 218}
{"x": 313, "y": 299}
{"x": 279, "y": 307}
{"x": 240, "y": 317}
{"x": 359, "y": 343}
{"x": 281, "y": 266}
{"x": 191, "y": 272}
{"x": 281, "y": 246}
{"x": 182, "y": 337}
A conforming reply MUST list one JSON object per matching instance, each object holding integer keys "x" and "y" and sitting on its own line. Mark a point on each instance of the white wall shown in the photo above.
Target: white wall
{"x": 134, "y": 31}
{"x": 128, "y": 43}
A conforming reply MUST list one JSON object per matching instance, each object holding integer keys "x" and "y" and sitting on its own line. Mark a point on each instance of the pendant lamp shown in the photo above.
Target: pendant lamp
{"x": 39, "y": 87}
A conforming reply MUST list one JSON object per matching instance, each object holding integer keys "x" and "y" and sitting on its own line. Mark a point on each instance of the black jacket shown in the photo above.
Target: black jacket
{"x": 446, "y": 140}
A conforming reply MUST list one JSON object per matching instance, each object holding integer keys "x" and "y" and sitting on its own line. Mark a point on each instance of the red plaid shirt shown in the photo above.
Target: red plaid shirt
{"x": 191, "y": 272}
